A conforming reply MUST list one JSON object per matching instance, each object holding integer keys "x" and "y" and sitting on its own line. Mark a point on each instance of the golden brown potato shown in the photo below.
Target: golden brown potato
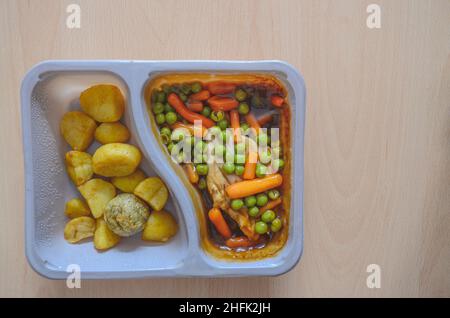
{"x": 104, "y": 103}
{"x": 153, "y": 191}
{"x": 76, "y": 208}
{"x": 130, "y": 182}
{"x": 78, "y": 130}
{"x": 79, "y": 166}
{"x": 160, "y": 227}
{"x": 116, "y": 160}
{"x": 104, "y": 238}
{"x": 108, "y": 133}
{"x": 97, "y": 193}
{"x": 79, "y": 228}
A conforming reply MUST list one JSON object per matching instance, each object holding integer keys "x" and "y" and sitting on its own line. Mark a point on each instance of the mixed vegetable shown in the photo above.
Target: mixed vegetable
{"x": 225, "y": 135}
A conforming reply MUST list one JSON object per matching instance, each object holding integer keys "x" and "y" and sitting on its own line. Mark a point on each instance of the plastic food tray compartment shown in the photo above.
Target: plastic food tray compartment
{"x": 52, "y": 88}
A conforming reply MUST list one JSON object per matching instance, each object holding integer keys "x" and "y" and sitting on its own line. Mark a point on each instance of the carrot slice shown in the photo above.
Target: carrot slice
{"x": 200, "y": 96}
{"x": 218, "y": 103}
{"x": 220, "y": 87}
{"x": 265, "y": 119}
{"x": 216, "y": 218}
{"x": 277, "y": 101}
{"x": 251, "y": 120}
{"x": 195, "y": 106}
{"x": 270, "y": 205}
{"x": 240, "y": 241}
{"x": 234, "y": 120}
{"x": 190, "y": 116}
{"x": 197, "y": 132}
{"x": 249, "y": 187}
{"x": 250, "y": 166}
{"x": 191, "y": 173}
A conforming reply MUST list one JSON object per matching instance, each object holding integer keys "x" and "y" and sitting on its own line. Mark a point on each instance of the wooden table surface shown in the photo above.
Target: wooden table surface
{"x": 377, "y": 149}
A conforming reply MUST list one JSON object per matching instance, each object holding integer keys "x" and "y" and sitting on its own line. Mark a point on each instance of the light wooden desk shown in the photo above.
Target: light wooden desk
{"x": 377, "y": 183}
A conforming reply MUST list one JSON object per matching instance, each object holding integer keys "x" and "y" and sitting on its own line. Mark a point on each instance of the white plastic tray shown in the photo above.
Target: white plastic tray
{"x": 50, "y": 89}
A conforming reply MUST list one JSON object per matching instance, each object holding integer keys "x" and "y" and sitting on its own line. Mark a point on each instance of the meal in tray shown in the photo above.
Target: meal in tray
{"x": 117, "y": 199}
{"x": 229, "y": 133}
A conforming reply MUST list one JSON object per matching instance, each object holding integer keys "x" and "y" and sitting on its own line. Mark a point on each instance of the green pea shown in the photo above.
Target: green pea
{"x": 273, "y": 194}
{"x": 261, "y": 227}
{"x": 223, "y": 124}
{"x": 262, "y": 139}
{"x": 183, "y": 97}
{"x": 237, "y": 204}
{"x": 168, "y": 108}
{"x": 261, "y": 170}
{"x": 261, "y": 199}
{"x": 239, "y": 170}
{"x": 276, "y": 151}
{"x": 229, "y": 157}
{"x": 161, "y": 97}
{"x": 165, "y": 139}
{"x": 278, "y": 164}
{"x": 196, "y": 87}
{"x": 180, "y": 157}
{"x": 217, "y": 115}
{"x": 276, "y": 225}
{"x": 265, "y": 157}
{"x": 177, "y": 135}
{"x": 239, "y": 158}
{"x": 185, "y": 89}
{"x": 160, "y": 119}
{"x": 206, "y": 111}
{"x": 200, "y": 146}
{"x": 228, "y": 167}
{"x": 202, "y": 169}
{"x": 158, "y": 108}
{"x": 198, "y": 158}
{"x": 166, "y": 131}
{"x": 170, "y": 147}
{"x": 215, "y": 131}
{"x": 243, "y": 108}
{"x": 219, "y": 150}
{"x": 240, "y": 94}
{"x": 253, "y": 211}
{"x": 244, "y": 127}
{"x": 171, "y": 118}
{"x": 154, "y": 96}
{"x": 166, "y": 88}
{"x": 240, "y": 148}
{"x": 268, "y": 216}
{"x": 202, "y": 183}
{"x": 250, "y": 201}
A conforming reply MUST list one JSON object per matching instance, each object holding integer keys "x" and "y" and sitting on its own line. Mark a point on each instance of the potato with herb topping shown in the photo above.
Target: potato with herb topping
{"x": 79, "y": 166}
{"x": 116, "y": 160}
{"x": 130, "y": 182}
{"x": 79, "y": 228}
{"x": 77, "y": 129}
{"x": 104, "y": 102}
{"x": 108, "y": 133}
{"x": 76, "y": 208}
{"x": 97, "y": 193}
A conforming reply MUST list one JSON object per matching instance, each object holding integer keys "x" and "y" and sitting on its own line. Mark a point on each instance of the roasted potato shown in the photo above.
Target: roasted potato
{"x": 153, "y": 191}
{"x": 160, "y": 227}
{"x": 126, "y": 214}
{"x": 79, "y": 166}
{"x": 76, "y": 208}
{"x": 116, "y": 160}
{"x": 104, "y": 238}
{"x": 79, "y": 228}
{"x": 108, "y": 133}
{"x": 97, "y": 193}
{"x": 130, "y": 182}
{"x": 104, "y": 103}
{"x": 78, "y": 130}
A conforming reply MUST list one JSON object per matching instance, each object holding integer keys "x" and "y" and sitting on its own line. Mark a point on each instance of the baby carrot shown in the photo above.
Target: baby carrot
{"x": 250, "y": 166}
{"x": 270, "y": 205}
{"x": 264, "y": 119}
{"x": 239, "y": 241}
{"x": 190, "y": 116}
{"x": 195, "y": 106}
{"x": 251, "y": 120}
{"x": 200, "y": 96}
{"x": 197, "y": 132}
{"x": 249, "y": 187}
{"x": 234, "y": 120}
{"x": 218, "y": 103}
{"x": 216, "y": 217}
{"x": 220, "y": 87}
{"x": 191, "y": 173}
{"x": 277, "y": 101}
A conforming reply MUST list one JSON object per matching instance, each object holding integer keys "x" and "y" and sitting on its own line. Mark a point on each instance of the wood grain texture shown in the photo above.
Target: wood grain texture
{"x": 377, "y": 157}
